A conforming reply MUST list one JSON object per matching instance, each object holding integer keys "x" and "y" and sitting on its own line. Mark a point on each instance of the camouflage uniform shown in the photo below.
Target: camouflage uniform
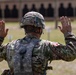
{"x": 42, "y": 52}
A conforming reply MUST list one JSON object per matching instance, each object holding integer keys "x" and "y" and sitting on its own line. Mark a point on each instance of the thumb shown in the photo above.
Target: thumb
{"x": 7, "y": 31}
{"x": 59, "y": 27}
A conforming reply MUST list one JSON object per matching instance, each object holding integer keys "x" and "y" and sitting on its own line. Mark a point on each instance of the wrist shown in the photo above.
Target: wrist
{"x": 66, "y": 34}
{"x": 1, "y": 40}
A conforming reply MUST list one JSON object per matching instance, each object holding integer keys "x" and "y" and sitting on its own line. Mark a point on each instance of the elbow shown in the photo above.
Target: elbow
{"x": 1, "y": 59}
{"x": 69, "y": 59}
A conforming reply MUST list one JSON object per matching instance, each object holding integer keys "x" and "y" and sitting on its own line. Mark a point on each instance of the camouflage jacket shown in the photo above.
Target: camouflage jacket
{"x": 43, "y": 51}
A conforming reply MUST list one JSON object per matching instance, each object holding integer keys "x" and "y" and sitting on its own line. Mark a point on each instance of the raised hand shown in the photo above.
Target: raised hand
{"x": 3, "y": 31}
{"x": 66, "y": 25}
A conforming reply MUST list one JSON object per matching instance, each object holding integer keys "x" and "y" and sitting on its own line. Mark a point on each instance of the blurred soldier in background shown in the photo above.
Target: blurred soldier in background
{"x": 29, "y": 55}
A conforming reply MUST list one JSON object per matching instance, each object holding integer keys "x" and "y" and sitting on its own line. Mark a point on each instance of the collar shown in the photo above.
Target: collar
{"x": 31, "y": 36}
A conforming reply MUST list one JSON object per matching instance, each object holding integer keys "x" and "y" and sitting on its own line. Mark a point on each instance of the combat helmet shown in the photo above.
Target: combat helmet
{"x": 33, "y": 18}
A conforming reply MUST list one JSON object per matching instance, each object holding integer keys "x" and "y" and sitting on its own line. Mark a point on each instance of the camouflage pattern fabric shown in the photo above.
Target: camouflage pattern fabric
{"x": 23, "y": 56}
{"x": 42, "y": 53}
{"x": 34, "y": 19}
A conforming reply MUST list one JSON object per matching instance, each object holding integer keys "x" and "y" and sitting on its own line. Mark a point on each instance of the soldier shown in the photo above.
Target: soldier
{"x": 29, "y": 55}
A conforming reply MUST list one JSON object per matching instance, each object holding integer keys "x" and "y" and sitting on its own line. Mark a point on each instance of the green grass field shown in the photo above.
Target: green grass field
{"x": 59, "y": 67}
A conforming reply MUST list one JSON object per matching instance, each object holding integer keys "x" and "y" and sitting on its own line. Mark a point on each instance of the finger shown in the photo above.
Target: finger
{"x": 70, "y": 27}
{"x": 2, "y": 25}
{"x": 6, "y": 32}
{"x": 62, "y": 19}
{"x": 69, "y": 23}
{"x": 2, "y": 22}
{"x": 66, "y": 20}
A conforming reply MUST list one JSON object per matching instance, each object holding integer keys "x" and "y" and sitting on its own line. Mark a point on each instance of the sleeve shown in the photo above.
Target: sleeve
{"x": 2, "y": 53}
{"x": 5, "y": 49}
{"x": 66, "y": 52}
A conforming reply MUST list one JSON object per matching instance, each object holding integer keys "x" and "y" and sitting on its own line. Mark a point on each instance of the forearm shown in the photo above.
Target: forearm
{"x": 70, "y": 40}
{"x": 1, "y": 40}
{"x": 2, "y": 52}
{"x": 57, "y": 51}
{"x": 66, "y": 52}
{"x": 70, "y": 37}
{"x": 3, "y": 34}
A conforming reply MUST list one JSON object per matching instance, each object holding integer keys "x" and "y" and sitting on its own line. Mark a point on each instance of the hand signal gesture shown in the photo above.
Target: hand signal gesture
{"x": 66, "y": 25}
{"x": 3, "y": 31}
